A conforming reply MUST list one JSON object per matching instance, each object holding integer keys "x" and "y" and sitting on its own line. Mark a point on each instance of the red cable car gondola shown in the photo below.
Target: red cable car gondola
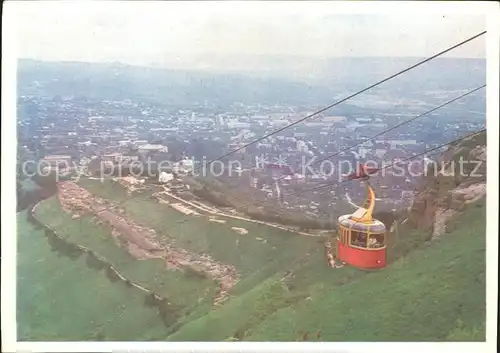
{"x": 361, "y": 241}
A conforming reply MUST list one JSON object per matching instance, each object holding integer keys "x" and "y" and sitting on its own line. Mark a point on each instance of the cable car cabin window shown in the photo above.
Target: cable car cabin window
{"x": 376, "y": 241}
{"x": 358, "y": 239}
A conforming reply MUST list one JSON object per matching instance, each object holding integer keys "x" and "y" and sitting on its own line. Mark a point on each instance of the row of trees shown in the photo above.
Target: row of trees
{"x": 214, "y": 197}
{"x": 46, "y": 186}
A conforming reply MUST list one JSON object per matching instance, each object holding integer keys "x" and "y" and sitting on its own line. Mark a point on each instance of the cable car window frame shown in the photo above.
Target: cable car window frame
{"x": 358, "y": 245}
{"x": 382, "y": 244}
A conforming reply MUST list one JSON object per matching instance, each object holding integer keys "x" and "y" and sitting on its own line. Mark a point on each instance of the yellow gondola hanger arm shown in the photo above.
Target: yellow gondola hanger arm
{"x": 370, "y": 205}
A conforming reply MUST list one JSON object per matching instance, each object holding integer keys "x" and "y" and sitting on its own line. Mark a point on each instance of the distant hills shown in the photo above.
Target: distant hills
{"x": 260, "y": 79}
{"x": 116, "y": 81}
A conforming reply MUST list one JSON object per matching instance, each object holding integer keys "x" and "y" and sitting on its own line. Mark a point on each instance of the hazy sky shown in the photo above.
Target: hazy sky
{"x": 178, "y": 34}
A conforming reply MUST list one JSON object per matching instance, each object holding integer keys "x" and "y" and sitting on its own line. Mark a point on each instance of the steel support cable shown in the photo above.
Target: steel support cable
{"x": 338, "y": 183}
{"x": 347, "y": 98}
{"x": 391, "y": 128}
{"x": 385, "y": 167}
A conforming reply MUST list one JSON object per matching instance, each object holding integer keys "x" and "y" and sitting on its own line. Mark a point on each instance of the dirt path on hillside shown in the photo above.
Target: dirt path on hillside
{"x": 214, "y": 211}
{"x": 141, "y": 242}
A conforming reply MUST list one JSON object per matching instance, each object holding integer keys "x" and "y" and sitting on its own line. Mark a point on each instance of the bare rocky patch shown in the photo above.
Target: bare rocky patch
{"x": 141, "y": 242}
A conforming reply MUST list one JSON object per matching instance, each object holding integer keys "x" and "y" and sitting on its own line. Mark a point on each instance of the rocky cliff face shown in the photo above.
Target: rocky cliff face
{"x": 456, "y": 179}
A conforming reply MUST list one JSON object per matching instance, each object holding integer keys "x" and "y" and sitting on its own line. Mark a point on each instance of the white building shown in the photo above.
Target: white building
{"x": 277, "y": 123}
{"x": 333, "y": 118}
{"x": 364, "y": 119}
{"x": 260, "y": 117}
{"x": 165, "y": 177}
{"x": 220, "y": 120}
{"x": 234, "y": 124}
{"x": 318, "y": 124}
{"x": 139, "y": 142}
{"x": 355, "y": 125}
{"x": 264, "y": 145}
{"x": 302, "y": 146}
{"x": 187, "y": 165}
{"x": 395, "y": 143}
{"x": 57, "y": 160}
{"x": 112, "y": 157}
{"x": 243, "y": 135}
{"x": 152, "y": 148}
{"x": 168, "y": 129}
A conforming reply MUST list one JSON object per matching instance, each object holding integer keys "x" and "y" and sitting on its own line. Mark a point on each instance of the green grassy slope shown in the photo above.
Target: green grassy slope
{"x": 181, "y": 289}
{"x": 247, "y": 253}
{"x": 434, "y": 293}
{"x": 59, "y": 299}
{"x": 258, "y": 255}
{"x": 430, "y": 292}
